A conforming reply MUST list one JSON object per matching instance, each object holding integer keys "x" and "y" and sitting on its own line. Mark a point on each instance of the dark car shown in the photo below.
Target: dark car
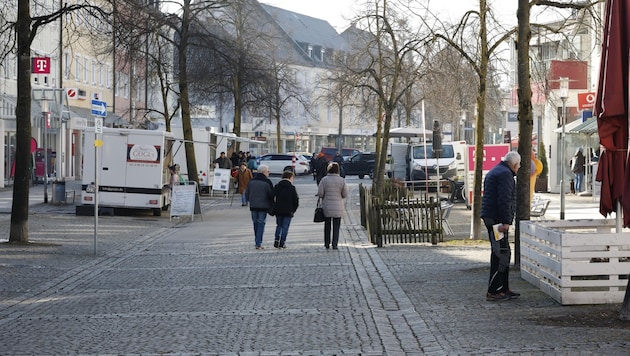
{"x": 360, "y": 164}
{"x": 330, "y": 152}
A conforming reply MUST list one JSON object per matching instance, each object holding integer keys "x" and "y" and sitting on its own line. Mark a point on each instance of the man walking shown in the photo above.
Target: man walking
{"x": 498, "y": 207}
{"x": 259, "y": 194}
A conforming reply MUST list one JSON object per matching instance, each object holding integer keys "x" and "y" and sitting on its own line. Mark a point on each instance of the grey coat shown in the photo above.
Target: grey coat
{"x": 333, "y": 190}
{"x": 259, "y": 193}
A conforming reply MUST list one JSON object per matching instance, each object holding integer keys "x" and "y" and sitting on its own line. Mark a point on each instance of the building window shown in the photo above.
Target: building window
{"x": 116, "y": 91}
{"x": 77, "y": 69}
{"x": 86, "y": 74}
{"x": 94, "y": 71}
{"x": 66, "y": 65}
{"x": 108, "y": 73}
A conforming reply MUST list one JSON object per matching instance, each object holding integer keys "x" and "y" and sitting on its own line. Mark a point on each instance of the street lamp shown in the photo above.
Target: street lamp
{"x": 43, "y": 102}
{"x": 564, "y": 95}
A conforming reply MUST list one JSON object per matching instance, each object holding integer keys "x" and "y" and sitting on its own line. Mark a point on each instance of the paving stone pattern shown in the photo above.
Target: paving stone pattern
{"x": 173, "y": 287}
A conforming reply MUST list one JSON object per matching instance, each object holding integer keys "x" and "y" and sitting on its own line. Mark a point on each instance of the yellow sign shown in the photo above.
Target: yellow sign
{"x": 98, "y": 143}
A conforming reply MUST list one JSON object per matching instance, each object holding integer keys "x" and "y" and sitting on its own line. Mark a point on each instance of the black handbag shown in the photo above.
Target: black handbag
{"x": 319, "y": 212}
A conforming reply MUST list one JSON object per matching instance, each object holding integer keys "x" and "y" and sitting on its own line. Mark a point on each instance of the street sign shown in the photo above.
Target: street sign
{"x": 98, "y": 125}
{"x": 99, "y": 108}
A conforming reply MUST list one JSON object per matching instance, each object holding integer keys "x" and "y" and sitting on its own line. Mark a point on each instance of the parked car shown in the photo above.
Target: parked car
{"x": 280, "y": 162}
{"x": 361, "y": 164}
{"x": 330, "y": 152}
{"x": 306, "y": 155}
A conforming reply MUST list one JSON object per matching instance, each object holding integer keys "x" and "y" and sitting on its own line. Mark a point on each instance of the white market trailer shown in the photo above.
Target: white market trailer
{"x": 131, "y": 170}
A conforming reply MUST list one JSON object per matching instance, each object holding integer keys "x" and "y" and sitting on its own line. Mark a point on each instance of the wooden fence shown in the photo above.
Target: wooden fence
{"x": 394, "y": 215}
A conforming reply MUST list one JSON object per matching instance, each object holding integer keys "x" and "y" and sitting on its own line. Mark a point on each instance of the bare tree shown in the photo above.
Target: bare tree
{"x": 23, "y": 28}
{"x": 478, "y": 55}
{"x": 282, "y": 91}
{"x": 383, "y": 53}
{"x": 240, "y": 68}
{"x": 185, "y": 30}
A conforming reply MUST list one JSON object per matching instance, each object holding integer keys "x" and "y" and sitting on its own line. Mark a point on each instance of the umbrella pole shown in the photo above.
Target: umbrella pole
{"x": 618, "y": 216}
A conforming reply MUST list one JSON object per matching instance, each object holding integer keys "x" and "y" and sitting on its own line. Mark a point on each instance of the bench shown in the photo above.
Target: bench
{"x": 539, "y": 208}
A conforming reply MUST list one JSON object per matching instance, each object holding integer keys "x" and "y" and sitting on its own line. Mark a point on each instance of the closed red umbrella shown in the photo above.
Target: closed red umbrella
{"x": 611, "y": 109}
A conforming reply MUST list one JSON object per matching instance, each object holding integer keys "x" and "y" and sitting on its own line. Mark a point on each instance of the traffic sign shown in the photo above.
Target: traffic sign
{"x": 98, "y": 125}
{"x": 99, "y": 108}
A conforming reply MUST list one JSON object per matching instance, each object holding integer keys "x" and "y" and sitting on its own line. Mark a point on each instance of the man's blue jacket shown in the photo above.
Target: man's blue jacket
{"x": 499, "y": 194}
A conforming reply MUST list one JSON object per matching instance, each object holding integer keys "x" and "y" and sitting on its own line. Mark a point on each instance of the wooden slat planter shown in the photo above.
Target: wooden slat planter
{"x": 397, "y": 217}
{"x": 576, "y": 261}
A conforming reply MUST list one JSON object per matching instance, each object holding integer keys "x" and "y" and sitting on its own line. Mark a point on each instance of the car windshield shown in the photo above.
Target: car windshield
{"x": 418, "y": 152}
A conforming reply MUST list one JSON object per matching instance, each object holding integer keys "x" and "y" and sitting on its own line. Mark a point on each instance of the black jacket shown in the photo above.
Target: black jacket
{"x": 286, "y": 198}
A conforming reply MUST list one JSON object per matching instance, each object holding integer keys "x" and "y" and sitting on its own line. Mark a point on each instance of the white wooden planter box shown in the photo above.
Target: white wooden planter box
{"x": 576, "y": 261}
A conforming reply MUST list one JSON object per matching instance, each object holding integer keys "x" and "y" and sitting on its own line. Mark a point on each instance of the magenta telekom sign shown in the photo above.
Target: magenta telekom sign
{"x": 41, "y": 65}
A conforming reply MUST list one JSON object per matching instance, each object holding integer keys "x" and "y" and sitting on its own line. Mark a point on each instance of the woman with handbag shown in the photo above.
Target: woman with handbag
{"x": 332, "y": 191}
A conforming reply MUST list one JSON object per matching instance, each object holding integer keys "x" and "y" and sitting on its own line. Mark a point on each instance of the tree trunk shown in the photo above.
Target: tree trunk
{"x": 481, "y": 109}
{"x": 191, "y": 160}
{"x": 19, "y": 208}
{"x": 525, "y": 124}
{"x": 238, "y": 103}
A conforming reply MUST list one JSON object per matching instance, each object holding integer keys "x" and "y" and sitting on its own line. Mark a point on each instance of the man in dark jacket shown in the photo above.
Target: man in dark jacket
{"x": 321, "y": 167}
{"x": 498, "y": 207}
{"x": 259, "y": 194}
{"x": 223, "y": 162}
{"x": 339, "y": 159}
{"x": 285, "y": 205}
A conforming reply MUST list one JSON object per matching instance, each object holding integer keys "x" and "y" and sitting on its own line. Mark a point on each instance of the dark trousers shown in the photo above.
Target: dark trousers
{"x": 336, "y": 223}
{"x": 499, "y": 261}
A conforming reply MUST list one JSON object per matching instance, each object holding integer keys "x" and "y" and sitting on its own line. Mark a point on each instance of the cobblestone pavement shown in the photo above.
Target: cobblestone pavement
{"x": 161, "y": 286}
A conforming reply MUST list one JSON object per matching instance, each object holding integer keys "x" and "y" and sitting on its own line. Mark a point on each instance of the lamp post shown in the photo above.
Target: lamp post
{"x": 44, "y": 105}
{"x": 564, "y": 95}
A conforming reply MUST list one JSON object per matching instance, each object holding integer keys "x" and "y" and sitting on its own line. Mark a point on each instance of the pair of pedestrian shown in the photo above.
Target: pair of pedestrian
{"x": 281, "y": 201}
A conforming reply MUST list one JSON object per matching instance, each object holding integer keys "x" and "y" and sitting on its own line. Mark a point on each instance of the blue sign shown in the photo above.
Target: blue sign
{"x": 99, "y": 108}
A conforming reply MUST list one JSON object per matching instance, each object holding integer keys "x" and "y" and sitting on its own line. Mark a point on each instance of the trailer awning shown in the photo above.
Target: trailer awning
{"x": 231, "y": 136}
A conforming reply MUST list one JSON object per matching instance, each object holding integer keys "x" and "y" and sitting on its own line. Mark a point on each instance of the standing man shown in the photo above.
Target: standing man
{"x": 339, "y": 159}
{"x": 223, "y": 162}
{"x": 259, "y": 194}
{"x": 498, "y": 207}
{"x": 321, "y": 167}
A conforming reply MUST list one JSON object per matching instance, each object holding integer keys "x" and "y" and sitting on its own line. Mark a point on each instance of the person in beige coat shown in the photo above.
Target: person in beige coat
{"x": 332, "y": 191}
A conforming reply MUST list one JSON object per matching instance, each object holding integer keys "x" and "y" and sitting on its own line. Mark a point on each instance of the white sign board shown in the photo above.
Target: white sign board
{"x": 183, "y": 200}
{"x": 221, "y": 180}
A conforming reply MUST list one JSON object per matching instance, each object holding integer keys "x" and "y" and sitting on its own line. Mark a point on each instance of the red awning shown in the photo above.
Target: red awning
{"x": 611, "y": 109}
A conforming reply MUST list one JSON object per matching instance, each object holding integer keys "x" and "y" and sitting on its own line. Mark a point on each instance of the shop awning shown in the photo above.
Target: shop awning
{"x": 588, "y": 127}
{"x": 568, "y": 127}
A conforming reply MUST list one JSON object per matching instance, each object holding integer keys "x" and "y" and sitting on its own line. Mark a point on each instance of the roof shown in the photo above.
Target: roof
{"x": 306, "y": 29}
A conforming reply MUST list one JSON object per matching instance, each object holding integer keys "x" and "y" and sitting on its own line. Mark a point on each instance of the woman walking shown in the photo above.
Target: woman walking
{"x": 332, "y": 191}
{"x": 286, "y": 202}
{"x": 242, "y": 179}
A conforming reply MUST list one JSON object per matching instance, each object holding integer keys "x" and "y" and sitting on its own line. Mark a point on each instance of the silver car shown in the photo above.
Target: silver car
{"x": 279, "y": 162}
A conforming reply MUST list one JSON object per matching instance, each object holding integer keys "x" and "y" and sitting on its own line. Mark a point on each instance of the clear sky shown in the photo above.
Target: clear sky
{"x": 336, "y": 12}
